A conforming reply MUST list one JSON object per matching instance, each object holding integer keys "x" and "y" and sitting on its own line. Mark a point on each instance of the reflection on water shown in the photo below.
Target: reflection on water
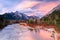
{"x": 22, "y": 32}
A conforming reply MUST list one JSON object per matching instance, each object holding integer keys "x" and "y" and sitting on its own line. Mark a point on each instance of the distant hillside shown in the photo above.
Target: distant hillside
{"x": 53, "y": 19}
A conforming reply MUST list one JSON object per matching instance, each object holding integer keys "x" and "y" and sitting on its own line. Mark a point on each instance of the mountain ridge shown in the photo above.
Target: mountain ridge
{"x": 17, "y": 16}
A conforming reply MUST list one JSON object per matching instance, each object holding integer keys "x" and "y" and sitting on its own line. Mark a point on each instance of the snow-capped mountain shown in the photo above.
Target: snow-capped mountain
{"x": 17, "y": 16}
{"x": 21, "y": 15}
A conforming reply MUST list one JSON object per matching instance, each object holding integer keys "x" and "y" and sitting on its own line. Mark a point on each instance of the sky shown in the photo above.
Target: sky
{"x": 29, "y": 7}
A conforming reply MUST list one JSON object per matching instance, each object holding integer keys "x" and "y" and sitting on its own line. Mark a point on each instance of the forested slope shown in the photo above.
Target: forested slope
{"x": 53, "y": 19}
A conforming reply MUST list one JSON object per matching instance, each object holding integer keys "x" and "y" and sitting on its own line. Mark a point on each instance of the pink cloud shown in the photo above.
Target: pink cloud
{"x": 43, "y": 7}
{"x": 25, "y": 4}
{"x": 46, "y": 7}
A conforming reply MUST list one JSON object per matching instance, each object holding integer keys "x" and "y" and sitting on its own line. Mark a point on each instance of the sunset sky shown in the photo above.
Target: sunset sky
{"x": 29, "y": 7}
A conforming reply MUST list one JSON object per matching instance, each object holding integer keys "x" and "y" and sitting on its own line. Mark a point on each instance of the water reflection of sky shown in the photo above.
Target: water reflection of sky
{"x": 15, "y": 32}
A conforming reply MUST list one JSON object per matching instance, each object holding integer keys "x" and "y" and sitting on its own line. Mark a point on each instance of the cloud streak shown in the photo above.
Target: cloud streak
{"x": 25, "y": 4}
{"x": 46, "y": 7}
